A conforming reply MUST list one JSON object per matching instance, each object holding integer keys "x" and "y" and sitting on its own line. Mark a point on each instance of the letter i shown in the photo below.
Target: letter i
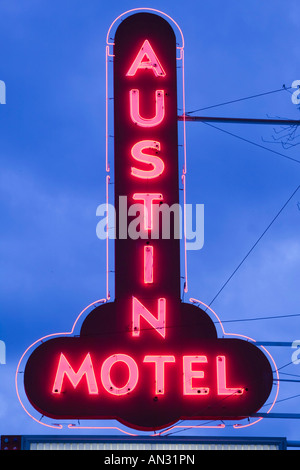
{"x": 148, "y": 264}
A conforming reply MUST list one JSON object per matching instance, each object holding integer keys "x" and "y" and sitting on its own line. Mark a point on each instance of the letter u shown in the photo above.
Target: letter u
{"x": 135, "y": 109}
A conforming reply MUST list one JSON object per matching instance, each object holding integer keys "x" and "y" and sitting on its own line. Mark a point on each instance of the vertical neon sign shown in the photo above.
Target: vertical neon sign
{"x": 146, "y": 149}
{"x": 146, "y": 358}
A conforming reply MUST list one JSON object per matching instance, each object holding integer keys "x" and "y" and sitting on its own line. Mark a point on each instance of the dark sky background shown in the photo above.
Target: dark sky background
{"x": 52, "y": 177}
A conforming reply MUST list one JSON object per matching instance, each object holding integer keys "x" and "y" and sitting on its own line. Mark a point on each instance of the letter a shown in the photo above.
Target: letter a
{"x": 151, "y": 61}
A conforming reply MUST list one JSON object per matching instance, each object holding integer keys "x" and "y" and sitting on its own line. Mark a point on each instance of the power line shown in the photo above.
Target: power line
{"x": 274, "y": 317}
{"x": 292, "y": 375}
{"x": 253, "y": 415}
{"x": 237, "y": 320}
{"x": 283, "y": 399}
{"x": 255, "y": 244}
{"x": 251, "y": 142}
{"x": 240, "y": 99}
{"x": 240, "y": 120}
{"x": 276, "y": 415}
{"x": 282, "y": 367}
{"x": 287, "y": 380}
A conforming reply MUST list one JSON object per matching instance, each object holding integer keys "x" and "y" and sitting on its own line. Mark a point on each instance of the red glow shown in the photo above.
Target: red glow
{"x": 133, "y": 374}
{"x": 139, "y": 310}
{"x": 154, "y": 160}
{"x": 148, "y": 264}
{"x": 221, "y": 379}
{"x": 189, "y": 374}
{"x": 109, "y": 32}
{"x": 64, "y": 368}
{"x": 159, "y": 362}
{"x": 135, "y": 109}
{"x": 151, "y": 61}
{"x": 148, "y": 212}
{"x": 142, "y": 290}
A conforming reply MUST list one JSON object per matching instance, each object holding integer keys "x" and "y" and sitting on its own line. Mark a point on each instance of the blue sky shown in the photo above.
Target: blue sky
{"x": 52, "y": 176}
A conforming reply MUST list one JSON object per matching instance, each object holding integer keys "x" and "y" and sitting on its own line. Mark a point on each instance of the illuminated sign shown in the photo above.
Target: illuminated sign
{"x": 147, "y": 359}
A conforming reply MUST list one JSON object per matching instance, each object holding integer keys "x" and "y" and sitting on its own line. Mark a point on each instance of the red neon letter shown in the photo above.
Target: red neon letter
{"x": 86, "y": 368}
{"x": 133, "y": 374}
{"x": 159, "y": 362}
{"x": 148, "y": 264}
{"x": 156, "y": 162}
{"x": 148, "y": 213}
{"x": 151, "y": 61}
{"x": 135, "y": 109}
{"x": 221, "y": 379}
{"x": 189, "y": 374}
{"x": 138, "y": 311}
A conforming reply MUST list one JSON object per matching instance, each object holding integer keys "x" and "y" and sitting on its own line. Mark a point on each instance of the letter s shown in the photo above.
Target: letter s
{"x": 156, "y": 162}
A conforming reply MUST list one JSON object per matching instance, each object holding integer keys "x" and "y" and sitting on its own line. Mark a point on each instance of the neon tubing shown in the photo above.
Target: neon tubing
{"x": 148, "y": 264}
{"x": 139, "y": 310}
{"x": 184, "y": 233}
{"x": 159, "y": 362}
{"x": 221, "y": 379}
{"x": 152, "y": 62}
{"x": 64, "y": 368}
{"x": 154, "y": 160}
{"x": 180, "y": 47}
{"x": 132, "y": 10}
{"x": 189, "y": 374}
{"x": 107, "y": 241}
{"x": 134, "y": 96}
{"x": 148, "y": 212}
{"x": 106, "y": 110}
{"x": 240, "y": 426}
{"x": 133, "y": 374}
{"x": 54, "y": 426}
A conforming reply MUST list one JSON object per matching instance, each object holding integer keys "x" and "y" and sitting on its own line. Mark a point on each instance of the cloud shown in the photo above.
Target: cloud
{"x": 42, "y": 228}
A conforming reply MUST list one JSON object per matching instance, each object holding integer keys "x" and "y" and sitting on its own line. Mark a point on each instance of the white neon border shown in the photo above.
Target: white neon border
{"x": 72, "y": 426}
{"x": 109, "y": 42}
{"x": 239, "y": 426}
{"x": 68, "y": 333}
{"x": 107, "y": 167}
{"x": 79, "y": 427}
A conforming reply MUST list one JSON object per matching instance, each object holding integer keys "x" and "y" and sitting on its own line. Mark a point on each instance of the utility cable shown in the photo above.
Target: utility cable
{"x": 274, "y": 317}
{"x": 240, "y": 99}
{"x": 250, "y": 142}
{"x": 255, "y": 244}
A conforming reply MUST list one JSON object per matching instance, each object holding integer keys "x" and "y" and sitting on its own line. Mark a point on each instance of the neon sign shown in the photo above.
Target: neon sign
{"x": 147, "y": 359}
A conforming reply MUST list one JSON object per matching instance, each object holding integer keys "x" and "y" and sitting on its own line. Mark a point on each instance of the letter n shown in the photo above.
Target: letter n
{"x": 158, "y": 323}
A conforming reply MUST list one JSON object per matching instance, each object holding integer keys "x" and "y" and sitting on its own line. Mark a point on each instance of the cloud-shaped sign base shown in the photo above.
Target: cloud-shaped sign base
{"x": 147, "y": 378}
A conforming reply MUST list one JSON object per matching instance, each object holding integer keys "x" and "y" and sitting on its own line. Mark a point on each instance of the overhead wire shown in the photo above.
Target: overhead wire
{"x": 255, "y": 244}
{"x": 285, "y": 399}
{"x": 184, "y": 428}
{"x": 282, "y": 367}
{"x": 274, "y": 317}
{"x": 251, "y": 142}
{"x": 284, "y": 88}
{"x": 265, "y": 231}
{"x": 181, "y": 325}
{"x": 292, "y": 375}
